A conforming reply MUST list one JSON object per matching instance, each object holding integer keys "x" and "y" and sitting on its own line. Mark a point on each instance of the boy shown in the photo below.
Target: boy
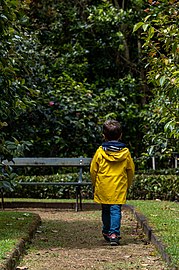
{"x": 112, "y": 171}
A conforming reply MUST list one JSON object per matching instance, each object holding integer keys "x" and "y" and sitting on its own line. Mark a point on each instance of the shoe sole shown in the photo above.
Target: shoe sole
{"x": 114, "y": 243}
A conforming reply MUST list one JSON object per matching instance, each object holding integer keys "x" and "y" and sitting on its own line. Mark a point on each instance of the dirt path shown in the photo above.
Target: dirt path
{"x": 72, "y": 240}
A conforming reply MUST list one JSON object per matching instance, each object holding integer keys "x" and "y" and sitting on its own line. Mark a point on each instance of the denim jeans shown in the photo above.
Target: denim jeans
{"x": 111, "y": 218}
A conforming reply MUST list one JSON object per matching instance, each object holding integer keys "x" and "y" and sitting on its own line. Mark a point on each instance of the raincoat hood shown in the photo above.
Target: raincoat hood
{"x": 114, "y": 156}
{"x": 114, "y": 151}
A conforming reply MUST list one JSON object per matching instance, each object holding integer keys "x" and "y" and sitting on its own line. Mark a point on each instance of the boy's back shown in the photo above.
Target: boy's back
{"x": 111, "y": 174}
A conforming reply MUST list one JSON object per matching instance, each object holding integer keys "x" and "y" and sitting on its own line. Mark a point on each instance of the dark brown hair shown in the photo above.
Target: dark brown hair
{"x": 112, "y": 130}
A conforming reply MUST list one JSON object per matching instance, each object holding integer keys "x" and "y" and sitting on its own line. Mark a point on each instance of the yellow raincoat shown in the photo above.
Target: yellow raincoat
{"x": 111, "y": 174}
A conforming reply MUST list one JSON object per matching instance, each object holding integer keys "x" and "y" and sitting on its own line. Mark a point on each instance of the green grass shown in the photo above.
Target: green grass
{"x": 163, "y": 217}
{"x": 13, "y": 227}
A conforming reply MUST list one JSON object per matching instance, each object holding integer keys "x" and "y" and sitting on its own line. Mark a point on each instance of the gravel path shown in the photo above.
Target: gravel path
{"x": 72, "y": 240}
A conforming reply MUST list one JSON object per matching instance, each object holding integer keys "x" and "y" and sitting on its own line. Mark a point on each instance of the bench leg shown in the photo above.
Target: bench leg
{"x": 78, "y": 196}
{"x": 77, "y": 192}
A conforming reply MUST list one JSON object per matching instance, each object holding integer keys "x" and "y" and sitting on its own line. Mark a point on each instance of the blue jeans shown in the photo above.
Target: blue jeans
{"x": 111, "y": 218}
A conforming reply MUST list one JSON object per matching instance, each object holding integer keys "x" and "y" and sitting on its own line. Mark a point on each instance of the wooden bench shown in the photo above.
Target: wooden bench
{"x": 80, "y": 163}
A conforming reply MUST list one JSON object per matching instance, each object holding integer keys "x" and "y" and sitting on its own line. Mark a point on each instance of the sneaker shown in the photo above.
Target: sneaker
{"x": 114, "y": 239}
{"x": 106, "y": 237}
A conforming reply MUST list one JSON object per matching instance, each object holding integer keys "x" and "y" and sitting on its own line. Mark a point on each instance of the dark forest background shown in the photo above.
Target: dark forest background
{"x": 67, "y": 66}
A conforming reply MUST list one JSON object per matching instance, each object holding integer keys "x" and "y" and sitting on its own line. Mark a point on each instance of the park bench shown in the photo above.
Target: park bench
{"x": 80, "y": 163}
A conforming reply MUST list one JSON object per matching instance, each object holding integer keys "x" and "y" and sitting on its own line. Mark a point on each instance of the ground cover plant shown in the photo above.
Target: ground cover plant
{"x": 13, "y": 227}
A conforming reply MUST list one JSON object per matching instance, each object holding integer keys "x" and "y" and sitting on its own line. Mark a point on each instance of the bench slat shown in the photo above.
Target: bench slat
{"x": 56, "y": 183}
{"x": 40, "y": 162}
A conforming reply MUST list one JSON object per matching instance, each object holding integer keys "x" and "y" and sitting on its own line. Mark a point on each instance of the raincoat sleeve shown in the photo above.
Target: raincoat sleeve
{"x": 94, "y": 168}
{"x": 130, "y": 170}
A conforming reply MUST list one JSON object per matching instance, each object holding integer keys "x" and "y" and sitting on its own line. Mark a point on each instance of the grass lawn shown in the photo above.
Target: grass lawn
{"x": 13, "y": 227}
{"x": 162, "y": 216}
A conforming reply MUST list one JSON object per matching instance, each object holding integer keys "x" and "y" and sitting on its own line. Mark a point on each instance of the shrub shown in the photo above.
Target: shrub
{"x": 50, "y": 191}
{"x": 150, "y": 187}
{"x": 145, "y": 186}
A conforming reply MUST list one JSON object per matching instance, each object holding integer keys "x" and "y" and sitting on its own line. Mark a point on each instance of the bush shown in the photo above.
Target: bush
{"x": 50, "y": 191}
{"x": 145, "y": 187}
{"x": 154, "y": 186}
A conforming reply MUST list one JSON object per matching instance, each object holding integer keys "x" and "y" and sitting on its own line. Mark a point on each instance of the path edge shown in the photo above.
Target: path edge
{"x": 13, "y": 259}
{"x": 148, "y": 231}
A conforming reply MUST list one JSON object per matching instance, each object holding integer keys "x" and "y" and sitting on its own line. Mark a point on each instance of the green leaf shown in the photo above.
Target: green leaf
{"x": 151, "y": 32}
{"x": 145, "y": 26}
{"x": 174, "y": 47}
{"x": 137, "y": 26}
{"x": 146, "y": 18}
{"x": 162, "y": 80}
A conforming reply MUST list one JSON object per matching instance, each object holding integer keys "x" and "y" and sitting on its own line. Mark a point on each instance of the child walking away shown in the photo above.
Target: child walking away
{"x": 112, "y": 171}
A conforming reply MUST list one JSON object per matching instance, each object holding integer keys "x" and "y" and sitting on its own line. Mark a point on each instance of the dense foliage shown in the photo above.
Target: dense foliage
{"x": 160, "y": 35}
{"x": 13, "y": 89}
{"x": 72, "y": 65}
{"x": 66, "y": 66}
{"x": 146, "y": 187}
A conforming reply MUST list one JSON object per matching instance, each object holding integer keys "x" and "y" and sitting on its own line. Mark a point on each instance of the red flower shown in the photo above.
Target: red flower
{"x": 51, "y": 103}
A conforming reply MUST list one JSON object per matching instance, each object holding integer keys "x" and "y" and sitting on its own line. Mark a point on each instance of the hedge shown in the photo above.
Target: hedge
{"x": 151, "y": 187}
{"x": 145, "y": 186}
